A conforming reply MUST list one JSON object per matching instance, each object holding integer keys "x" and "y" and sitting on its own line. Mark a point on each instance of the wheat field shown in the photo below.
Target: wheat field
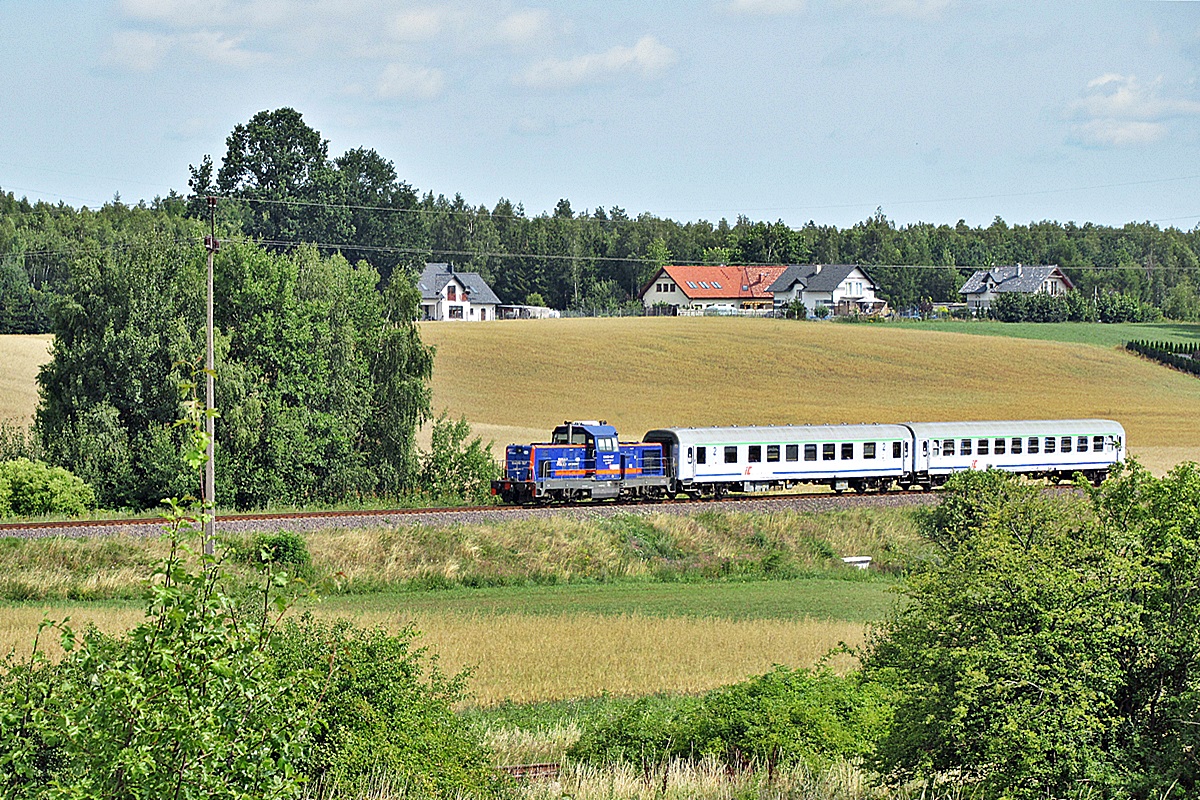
{"x": 20, "y": 357}
{"x": 515, "y": 380}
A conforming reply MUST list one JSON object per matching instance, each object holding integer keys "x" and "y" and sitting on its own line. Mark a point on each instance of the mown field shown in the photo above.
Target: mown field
{"x": 514, "y": 380}
{"x": 20, "y": 358}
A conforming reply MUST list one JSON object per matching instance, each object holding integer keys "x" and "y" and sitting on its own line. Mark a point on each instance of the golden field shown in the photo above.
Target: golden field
{"x": 515, "y": 380}
{"x": 588, "y": 654}
{"x": 20, "y": 357}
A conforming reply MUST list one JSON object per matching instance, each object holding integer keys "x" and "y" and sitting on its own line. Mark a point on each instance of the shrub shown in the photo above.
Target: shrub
{"x": 31, "y": 488}
{"x": 283, "y": 547}
{"x": 457, "y": 468}
{"x": 383, "y": 709}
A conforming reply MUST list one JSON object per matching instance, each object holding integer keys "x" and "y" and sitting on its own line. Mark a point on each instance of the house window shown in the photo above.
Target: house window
{"x": 755, "y": 454}
{"x": 716, "y": 285}
{"x": 455, "y": 312}
{"x": 793, "y": 453}
{"x": 701, "y": 455}
{"x": 868, "y": 450}
{"x": 828, "y": 452}
{"x": 810, "y": 452}
{"x": 451, "y": 293}
{"x": 731, "y": 454}
{"x": 847, "y": 451}
{"x": 483, "y": 315}
{"x": 772, "y": 452}
{"x": 703, "y": 284}
{"x": 691, "y": 284}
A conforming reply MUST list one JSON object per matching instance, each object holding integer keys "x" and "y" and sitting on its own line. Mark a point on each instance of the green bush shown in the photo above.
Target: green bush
{"x": 457, "y": 468}
{"x": 284, "y": 547}
{"x": 31, "y": 488}
{"x": 382, "y": 710}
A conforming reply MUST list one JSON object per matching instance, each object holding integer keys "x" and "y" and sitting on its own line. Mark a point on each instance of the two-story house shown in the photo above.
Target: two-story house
{"x": 447, "y": 294}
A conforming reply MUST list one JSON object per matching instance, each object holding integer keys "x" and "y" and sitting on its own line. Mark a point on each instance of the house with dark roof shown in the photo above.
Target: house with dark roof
{"x": 696, "y": 288}
{"x": 842, "y": 288}
{"x": 449, "y": 294}
{"x": 982, "y": 287}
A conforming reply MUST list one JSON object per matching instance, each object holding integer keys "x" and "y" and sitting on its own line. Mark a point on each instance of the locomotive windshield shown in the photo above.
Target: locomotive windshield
{"x": 564, "y": 435}
{"x": 606, "y": 444}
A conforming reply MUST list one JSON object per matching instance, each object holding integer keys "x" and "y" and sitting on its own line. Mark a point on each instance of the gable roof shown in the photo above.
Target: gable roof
{"x": 437, "y": 275}
{"x": 816, "y": 277}
{"x": 1015, "y": 278}
{"x": 723, "y": 282}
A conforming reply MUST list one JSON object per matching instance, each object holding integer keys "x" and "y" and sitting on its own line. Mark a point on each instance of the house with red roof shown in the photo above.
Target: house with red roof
{"x": 695, "y": 288}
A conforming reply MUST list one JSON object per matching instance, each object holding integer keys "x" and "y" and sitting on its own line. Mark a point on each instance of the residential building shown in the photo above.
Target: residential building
{"x": 450, "y": 295}
{"x": 983, "y": 286}
{"x": 696, "y": 288}
{"x": 842, "y": 288}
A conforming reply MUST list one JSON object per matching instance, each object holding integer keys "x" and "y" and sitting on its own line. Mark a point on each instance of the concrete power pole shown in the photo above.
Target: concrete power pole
{"x": 210, "y": 472}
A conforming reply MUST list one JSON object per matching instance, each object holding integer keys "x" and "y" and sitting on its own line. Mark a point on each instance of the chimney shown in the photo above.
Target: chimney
{"x": 1018, "y": 270}
{"x": 817, "y": 271}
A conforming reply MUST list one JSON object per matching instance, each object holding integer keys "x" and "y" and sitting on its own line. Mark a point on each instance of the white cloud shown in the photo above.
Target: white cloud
{"x": 221, "y": 48}
{"x": 419, "y": 24}
{"x": 137, "y": 51}
{"x": 647, "y": 56}
{"x": 1120, "y": 111}
{"x": 765, "y": 6}
{"x": 406, "y": 81}
{"x": 521, "y": 27}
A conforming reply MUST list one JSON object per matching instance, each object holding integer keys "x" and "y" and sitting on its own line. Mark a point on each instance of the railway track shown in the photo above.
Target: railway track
{"x": 307, "y": 521}
{"x": 317, "y": 520}
{"x": 532, "y": 772}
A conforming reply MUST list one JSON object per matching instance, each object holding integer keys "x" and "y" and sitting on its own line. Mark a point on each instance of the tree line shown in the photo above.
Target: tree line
{"x": 280, "y": 186}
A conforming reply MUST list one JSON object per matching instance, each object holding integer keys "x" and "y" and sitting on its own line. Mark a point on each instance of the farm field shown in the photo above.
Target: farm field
{"x": 515, "y": 380}
{"x": 21, "y": 356}
{"x": 630, "y": 639}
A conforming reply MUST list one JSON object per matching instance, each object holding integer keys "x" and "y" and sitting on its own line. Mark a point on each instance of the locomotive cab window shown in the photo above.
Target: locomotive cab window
{"x": 731, "y": 454}
{"x": 810, "y": 452}
{"x": 847, "y": 451}
{"x": 608, "y": 444}
{"x": 755, "y": 453}
{"x": 793, "y": 453}
{"x": 828, "y": 452}
{"x": 772, "y": 452}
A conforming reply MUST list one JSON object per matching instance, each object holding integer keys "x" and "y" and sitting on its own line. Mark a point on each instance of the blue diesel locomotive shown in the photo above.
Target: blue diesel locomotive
{"x": 582, "y": 461}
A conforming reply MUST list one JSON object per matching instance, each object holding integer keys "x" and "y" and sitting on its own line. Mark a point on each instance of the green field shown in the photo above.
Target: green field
{"x": 1101, "y": 335}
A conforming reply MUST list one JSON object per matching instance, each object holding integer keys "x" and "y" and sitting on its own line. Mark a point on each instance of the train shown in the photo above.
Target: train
{"x": 585, "y": 460}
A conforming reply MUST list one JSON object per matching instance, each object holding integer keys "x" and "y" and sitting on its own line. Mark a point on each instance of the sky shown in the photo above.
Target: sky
{"x": 793, "y": 110}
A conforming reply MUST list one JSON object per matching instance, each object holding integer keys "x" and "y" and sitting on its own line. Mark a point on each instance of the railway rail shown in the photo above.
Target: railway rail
{"x": 532, "y": 772}
{"x": 317, "y": 520}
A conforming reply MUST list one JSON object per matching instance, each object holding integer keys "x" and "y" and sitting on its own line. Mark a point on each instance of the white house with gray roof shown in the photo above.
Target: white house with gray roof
{"x": 450, "y": 295}
{"x": 842, "y": 288}
{"x": 982, "y": 287}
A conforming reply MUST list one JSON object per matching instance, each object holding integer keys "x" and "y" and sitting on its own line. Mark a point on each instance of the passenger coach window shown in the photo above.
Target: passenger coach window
{"x": 895, "y": 449}
{"x": 982, "y": 447}
{"x": 828, "y": 452}
{"x": 772, "y": 452}
{"x": 793, "y": 453}
{"x": 755, "y": 454}
{"x": 948, "y": 447}
{"x": 999, "y": 448}
{"x": 701, "y": 453}
{"x": 1016, "y": 445}
{"x": 869, "y": 450}
{"x": 847, "y": 451}
{"x": 936, "y": 448}
{"x": 1066, "y": 444}
{"x": 1033, "y": 444}
{"x": 1081, "y": 444}
{"x": 1097, "y": 443}
{"x": 964, "y": 447}
{"x": 1049, "y": 444}
{"x": 731, "y": 454}
{"x": 810, "y": 452}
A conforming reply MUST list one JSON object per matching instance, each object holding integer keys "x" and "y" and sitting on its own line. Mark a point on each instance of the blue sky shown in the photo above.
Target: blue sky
{"x": 934, "y": 110}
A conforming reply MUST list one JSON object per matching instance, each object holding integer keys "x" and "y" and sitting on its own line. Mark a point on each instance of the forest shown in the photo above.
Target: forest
{"x": 280, "y": 187}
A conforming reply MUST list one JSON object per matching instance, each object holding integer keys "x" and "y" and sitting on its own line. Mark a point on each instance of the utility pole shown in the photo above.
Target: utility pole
{"x": 210, "y": 472}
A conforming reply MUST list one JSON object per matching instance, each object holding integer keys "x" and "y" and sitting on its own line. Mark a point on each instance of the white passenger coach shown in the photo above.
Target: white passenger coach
{"x": 714, "y": 461}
